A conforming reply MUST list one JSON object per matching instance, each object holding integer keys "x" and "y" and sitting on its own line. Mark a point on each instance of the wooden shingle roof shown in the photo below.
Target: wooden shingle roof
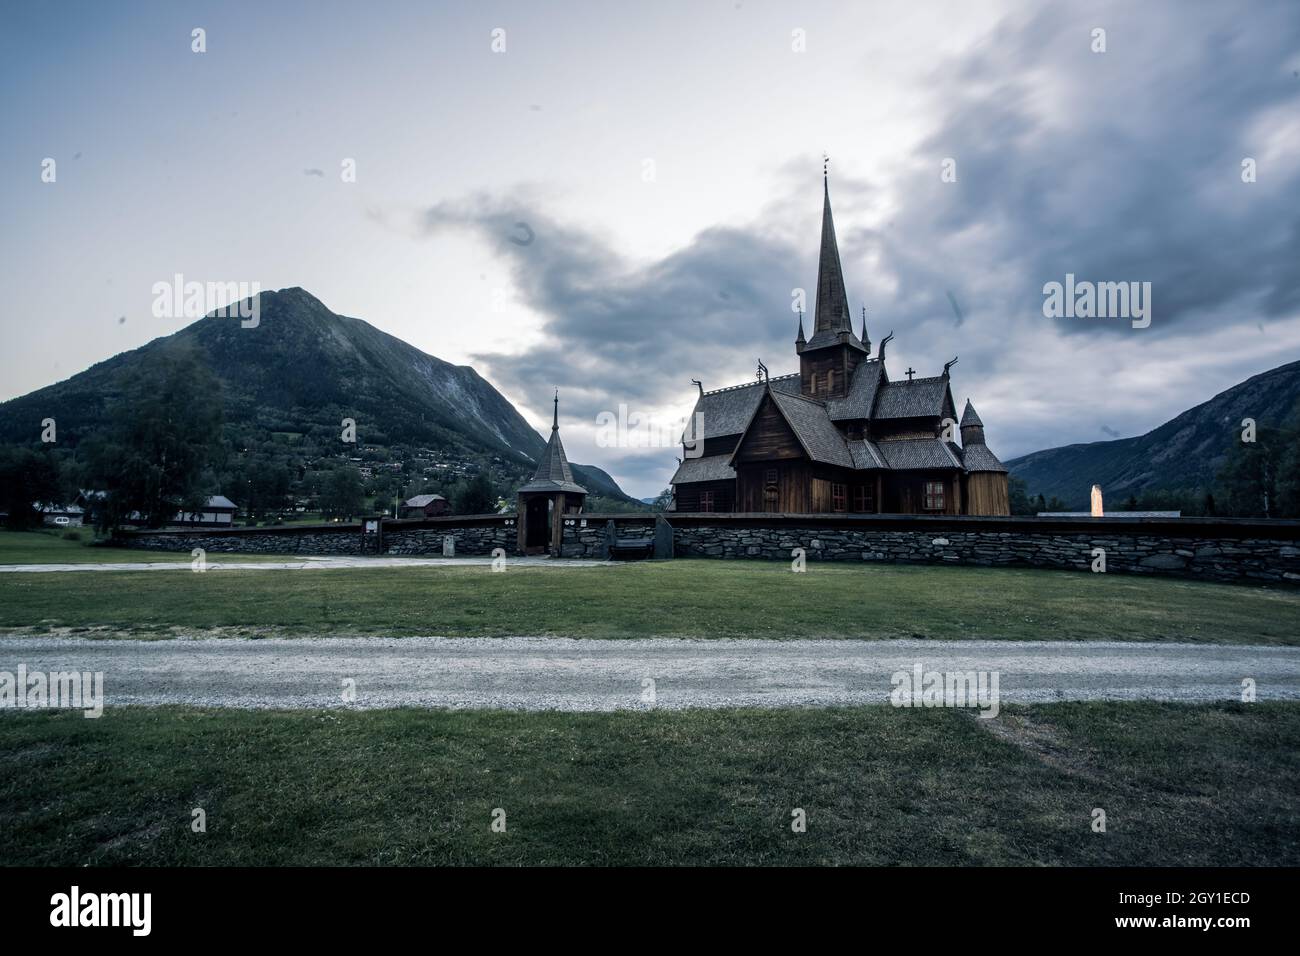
{"x": 727, "y": 411}
{"x": 813, "y": 427}
{"x": 907, "y": 454}
{"x": 861, "y": 397}
{"x": 711, "y": 468}
{"x": 919, "y": 398}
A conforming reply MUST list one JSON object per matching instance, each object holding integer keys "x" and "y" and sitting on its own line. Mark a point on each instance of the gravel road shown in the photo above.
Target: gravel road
{"x": 528, "y": 673}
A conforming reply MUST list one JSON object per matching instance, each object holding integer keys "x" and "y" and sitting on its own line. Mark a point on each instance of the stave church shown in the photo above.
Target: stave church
{"x": 839, "y": 435}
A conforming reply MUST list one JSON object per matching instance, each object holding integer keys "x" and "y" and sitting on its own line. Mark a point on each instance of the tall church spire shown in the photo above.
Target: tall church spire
{"x": 831, "y": 313}
{"x": 828, "y": 360}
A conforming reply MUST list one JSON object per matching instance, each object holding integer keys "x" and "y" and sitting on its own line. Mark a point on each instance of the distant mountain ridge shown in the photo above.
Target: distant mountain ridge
{"x": 1183, "y": 453}
{"x": 305, "y": 367}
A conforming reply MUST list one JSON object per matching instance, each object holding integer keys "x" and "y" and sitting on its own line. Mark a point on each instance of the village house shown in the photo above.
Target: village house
{"x": 62, "y": 516}
{"x": 424, "y": 506}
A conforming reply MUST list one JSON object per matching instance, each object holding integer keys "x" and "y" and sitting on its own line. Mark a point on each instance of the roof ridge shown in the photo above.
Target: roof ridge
{"x": 801, "y": 397}
{"x": 917, "y": 381}
{"x": 732, "y": 388}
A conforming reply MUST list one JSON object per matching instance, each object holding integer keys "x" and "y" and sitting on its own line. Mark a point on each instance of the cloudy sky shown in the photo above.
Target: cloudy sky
{"x": 666, "y": 160}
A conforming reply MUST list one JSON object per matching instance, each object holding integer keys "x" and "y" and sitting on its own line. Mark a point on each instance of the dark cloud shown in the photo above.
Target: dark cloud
{"x": 1123, "y": 165}
{"x": 1116, "y": 166}
{"x": 619, "y": 334}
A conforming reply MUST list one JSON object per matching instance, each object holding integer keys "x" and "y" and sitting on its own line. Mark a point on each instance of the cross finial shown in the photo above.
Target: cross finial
{"x": 555, "y": 422}
{"x": 826, "y": 162}
{"x": 910, "y": 372}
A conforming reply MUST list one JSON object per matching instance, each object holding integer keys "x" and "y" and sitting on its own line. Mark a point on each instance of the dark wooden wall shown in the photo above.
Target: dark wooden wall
{"x": 987, "y": 494}
{"x": 905, "y": 428}
{"x": 789, "y": 494}
{"x": 842, "y": 360}
{"x": 905, "y": 492}
{"x": 769, "y": 437}
{"x": 724, "y": 495}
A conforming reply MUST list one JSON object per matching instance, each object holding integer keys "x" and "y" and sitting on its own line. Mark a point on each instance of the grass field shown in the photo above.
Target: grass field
{"x": 1180, "y": 785}
{"x": 50, "y": 547}
{"x": 683, "y": 598}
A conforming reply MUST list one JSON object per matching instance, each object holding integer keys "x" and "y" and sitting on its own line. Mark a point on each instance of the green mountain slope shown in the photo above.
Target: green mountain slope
{"x": 305, "y": 369}
{"x": 1183, "y": 453}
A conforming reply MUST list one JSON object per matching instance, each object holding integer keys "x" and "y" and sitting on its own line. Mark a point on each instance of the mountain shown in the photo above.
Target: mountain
{"x": 1183, "y": 453}
{"x": 303, "y": 369}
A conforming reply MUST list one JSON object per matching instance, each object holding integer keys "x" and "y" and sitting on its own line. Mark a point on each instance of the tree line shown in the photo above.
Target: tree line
{"x": 1258, "y": 479}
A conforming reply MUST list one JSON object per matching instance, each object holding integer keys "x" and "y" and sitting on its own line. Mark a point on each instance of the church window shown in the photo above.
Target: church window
{"x": 863, "y": 499}
{"x": 934, "y": 496}
{"x": 838, "y": 496}
{"x": 706, "y": 501}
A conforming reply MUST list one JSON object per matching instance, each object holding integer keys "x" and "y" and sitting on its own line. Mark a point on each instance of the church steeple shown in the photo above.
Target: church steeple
{"x": 831, "y": 313}
{"x": 800, "y": 341}
{"x": 828, "y": 360}
{"x": 866, "y": 339}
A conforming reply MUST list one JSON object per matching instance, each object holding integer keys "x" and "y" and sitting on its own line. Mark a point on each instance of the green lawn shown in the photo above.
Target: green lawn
{"x": 1180, "y": 785}
{"x": 683, "y": 598}
{"x": 51, "y": 547}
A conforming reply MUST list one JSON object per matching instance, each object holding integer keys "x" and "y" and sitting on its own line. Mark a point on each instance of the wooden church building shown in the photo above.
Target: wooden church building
{"x": 838, "y": 435}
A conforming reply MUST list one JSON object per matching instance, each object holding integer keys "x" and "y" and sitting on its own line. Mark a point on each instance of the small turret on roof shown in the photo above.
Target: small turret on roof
{"x": 553, "y": 472}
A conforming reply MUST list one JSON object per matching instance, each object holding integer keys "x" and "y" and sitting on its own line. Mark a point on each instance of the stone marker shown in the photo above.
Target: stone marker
{"x": 663, "y": 538}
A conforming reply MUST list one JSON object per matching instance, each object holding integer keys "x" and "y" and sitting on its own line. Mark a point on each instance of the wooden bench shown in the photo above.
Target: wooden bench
{"x": 631, "y": 549}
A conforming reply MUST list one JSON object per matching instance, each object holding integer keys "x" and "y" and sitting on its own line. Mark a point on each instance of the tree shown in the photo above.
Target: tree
{"x": 1261, "y": 478}
{"x": 342, "y": 495}
{"x": 1287, "y": 477}
{"x": 476, "y": 496}
{"x": 1018, "y": 496}
{"x": 164, "y": 434}
{"x": 266, "y": 486}
{"x": 26, "y": 478}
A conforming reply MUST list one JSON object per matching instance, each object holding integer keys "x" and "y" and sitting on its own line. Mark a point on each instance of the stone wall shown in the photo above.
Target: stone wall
{"x": 316, "y": 539}
{"x": 1221, "y": 550}
{"x": 426, "y": 537}
{"x": 587, "y": 536}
